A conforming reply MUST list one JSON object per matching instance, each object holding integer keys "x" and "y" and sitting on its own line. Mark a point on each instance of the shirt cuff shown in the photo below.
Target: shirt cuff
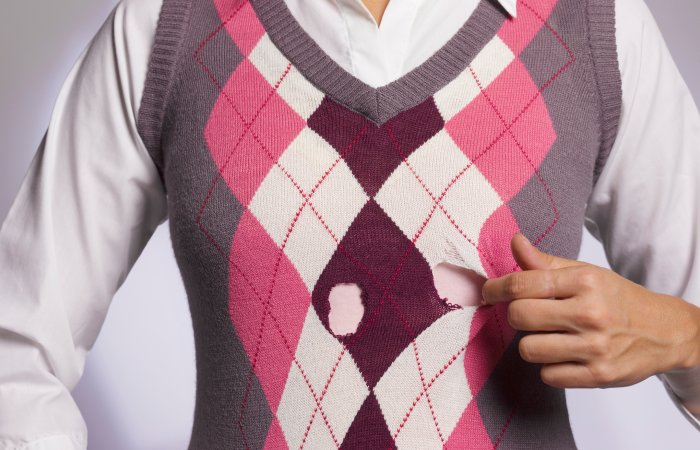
{"x": 692, "y": 418}
{"x": 74, "y": 441}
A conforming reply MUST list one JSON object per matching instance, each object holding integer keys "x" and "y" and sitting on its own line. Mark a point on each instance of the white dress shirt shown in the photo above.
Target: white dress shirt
{"x": 92, "y": 198}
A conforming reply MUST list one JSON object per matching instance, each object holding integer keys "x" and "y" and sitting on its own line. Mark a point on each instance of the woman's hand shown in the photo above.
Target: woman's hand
{"x": 593, "y": 327}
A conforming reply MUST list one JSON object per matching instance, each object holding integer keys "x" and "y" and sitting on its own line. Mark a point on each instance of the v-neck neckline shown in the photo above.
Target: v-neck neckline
{"x": 383, "y": 102}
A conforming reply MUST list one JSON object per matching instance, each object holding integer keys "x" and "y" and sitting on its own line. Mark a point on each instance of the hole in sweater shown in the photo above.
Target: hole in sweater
{"x": 458, "y": 285}
{"x": 345, "y": 301}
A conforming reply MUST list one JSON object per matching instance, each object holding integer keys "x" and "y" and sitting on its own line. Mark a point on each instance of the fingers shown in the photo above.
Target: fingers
{"x": 538, "y": 283}
{"x": 550, "y": 348}
{"x": 568, "y": 375}
{"x": 580, "y": 375}
{"x": 529, "y": 257}
{"x": 537, "y": 314}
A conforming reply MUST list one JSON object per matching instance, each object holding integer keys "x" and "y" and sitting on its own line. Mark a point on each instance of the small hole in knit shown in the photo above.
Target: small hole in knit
{"x": 345, "y": 300}
{"x": 458, "y": 285}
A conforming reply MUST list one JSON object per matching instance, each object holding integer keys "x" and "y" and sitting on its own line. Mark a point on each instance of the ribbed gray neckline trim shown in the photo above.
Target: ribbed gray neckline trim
{"x": 384, "y": 102}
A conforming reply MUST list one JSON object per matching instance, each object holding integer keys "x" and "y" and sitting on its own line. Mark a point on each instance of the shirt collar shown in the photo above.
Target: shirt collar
{"x": 358, "y": 7}
{"x": 509, "y": 5}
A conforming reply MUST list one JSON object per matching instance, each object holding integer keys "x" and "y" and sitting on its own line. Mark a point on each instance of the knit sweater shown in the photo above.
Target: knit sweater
{"x": 287, "y": 177}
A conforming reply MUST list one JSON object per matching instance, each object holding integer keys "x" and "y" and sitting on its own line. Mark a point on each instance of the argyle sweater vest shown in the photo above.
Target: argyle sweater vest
{"x": 287, "y": 176}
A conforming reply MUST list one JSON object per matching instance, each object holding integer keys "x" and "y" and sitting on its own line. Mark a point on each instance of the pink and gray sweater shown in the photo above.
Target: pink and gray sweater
{"x": 287, "y": 176}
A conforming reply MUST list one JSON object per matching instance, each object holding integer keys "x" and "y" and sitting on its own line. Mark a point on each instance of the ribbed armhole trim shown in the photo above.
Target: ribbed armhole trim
{"x": 172, "y": 24}
{"x": 601, "y": 19}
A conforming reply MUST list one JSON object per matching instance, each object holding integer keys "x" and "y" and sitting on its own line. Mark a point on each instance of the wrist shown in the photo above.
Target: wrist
{"x": 684, "y": 376}
{"x": 690, "y": 404}
{"x": 688, "y": 342}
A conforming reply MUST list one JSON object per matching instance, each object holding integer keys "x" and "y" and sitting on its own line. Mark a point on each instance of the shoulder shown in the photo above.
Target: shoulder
{"x": 141, "y": 8}
{"x": 635, "y": 10}
{"x": 633, "y": 19}
{"x": 637, "y": 33}
{"x": 138, "y": 18}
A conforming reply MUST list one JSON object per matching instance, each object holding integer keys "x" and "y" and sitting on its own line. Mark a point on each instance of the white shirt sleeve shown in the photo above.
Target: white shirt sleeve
{"x": 645, "y": 207}
{"x": 88, "y": 204}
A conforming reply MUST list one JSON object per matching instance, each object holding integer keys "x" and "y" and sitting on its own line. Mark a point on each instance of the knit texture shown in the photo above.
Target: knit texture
{"x": 286, "y": 176}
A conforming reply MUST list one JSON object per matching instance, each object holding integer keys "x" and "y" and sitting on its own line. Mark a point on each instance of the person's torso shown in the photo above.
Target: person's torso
{"x": 288, "y": 177}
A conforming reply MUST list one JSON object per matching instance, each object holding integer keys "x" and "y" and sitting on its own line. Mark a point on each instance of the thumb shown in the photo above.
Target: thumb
{"x": 530, "y": 257}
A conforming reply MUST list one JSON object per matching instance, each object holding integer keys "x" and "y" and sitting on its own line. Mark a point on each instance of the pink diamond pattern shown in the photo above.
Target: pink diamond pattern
{"x": 244, "y": 132}
{"x": 487, "y": 64}
{"x": 521, "y": 120}
{"x": 243, "y": 26}
{"x": 268, "y": 303}
{"x": 518, "y": 34}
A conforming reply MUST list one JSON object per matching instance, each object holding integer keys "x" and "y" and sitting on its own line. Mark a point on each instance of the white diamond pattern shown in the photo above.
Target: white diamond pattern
{"x": 317, "y": 353}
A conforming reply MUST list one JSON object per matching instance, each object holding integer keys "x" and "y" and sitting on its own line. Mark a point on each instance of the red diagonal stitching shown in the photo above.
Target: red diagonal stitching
{"x": 430, "y": 384}
{"x": 508, "y": 130}
{"x": 398, "y": 269}
{"x": 247, "y": 126}
{"x": 544, "y": 86}
{"x": 208, "y": 235}
{"x": 468, "y": 166}
{"x": 386, "y": 294}
{"x": 500, "y": 329}
{"x": 425, "y": 389}
{"x": 307, "y": 198}
{"x": 216, "y": 30}
{"x": 374, "y": 277}
{"x": 360, "y": 332}
{"x": 219, "y": 171}
{"x": 405, "y": 160}
{"x": 522, "y": 150}
{"x": 509, "y": 418}
{"x": 403, "y": 156}
{"x": 505, "y": 425}
{"x": 436, "y": 201}
{"x": 378, "y": 309}
{"x": 432, "y": 381}
{"x": 553, "y": 31}
{"x": 284, "y": 339}
{"x": 406, "y": 253}
{"x": 291, "y": 352}
{"x": 274, "y": 275}
{"x": 540, "y": 90}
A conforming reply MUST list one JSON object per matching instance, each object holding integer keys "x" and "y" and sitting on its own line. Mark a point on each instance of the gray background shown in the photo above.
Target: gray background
{"x": 138, "y": 388}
